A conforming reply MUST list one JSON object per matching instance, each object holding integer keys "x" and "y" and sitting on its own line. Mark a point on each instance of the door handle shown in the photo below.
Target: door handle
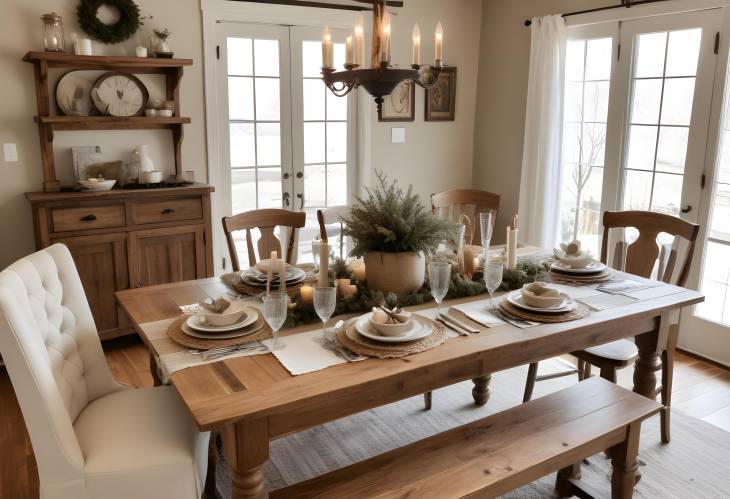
{"x": 88, "y": 218}
{"x": 286, "y": 176}
{"x": 686, "y": 209}
{"x": 286, "y": 197}
{"x": 167, "y": 211}
{"x": 300, "y": 174}
{"x": 301, "y": 198}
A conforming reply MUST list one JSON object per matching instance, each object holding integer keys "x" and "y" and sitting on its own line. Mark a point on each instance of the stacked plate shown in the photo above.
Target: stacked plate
{"x": 253, "y": 277}
{"x": 593, "y": 272}
{"x": 197, "y": 327}
{"x": 566, "y": 305}
{"x": 421, "y": 328}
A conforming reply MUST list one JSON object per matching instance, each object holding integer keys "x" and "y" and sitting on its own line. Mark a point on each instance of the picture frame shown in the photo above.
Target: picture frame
{"x": 441, "y": 98}
{"x": 400, "y": 105}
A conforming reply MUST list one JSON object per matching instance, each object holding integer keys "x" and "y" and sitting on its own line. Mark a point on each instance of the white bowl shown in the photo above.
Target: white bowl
{"x": 164, "y": 113}
{"x": 580, "y": 261}
{"x": 392, "y": 329}
{"x": 537, "y": 301}
{"x": 97, "y": 185}
{"x": 232, "y": 314}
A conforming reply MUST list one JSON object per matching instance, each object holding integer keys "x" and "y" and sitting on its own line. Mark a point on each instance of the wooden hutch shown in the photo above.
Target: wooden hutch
{"x": 123, "y": 237}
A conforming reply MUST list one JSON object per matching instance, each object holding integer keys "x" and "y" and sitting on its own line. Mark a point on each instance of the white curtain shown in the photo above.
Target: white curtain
{"x": 539, "y": 207}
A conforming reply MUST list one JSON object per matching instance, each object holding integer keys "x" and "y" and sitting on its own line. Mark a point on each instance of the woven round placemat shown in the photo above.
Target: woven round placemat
{"x": 350, "y": 339}
{"x": 233, "y": 280}
{"x": 176, "y": 334}
{"x": 579, "y": 312}
{"x": 602, "y": 277}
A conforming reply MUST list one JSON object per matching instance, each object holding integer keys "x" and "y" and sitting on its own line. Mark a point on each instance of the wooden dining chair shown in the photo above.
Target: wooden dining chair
{"x": 639, "y": 258}
{"x": 332, "y": 216}
{"x": 266, "y": 222}
{"x": 453, "y": 203}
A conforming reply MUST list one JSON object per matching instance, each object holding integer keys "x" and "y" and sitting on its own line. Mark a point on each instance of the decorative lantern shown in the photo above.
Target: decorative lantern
{"x": 53, "y": 32}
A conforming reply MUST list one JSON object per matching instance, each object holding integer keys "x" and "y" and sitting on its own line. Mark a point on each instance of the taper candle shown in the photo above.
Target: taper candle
{"x": 359, "y": 42}
{"x": 349, "y": 57}
{"x": 324, "y": 265}
{"x": 416, "y": 45}
{"x": 439, "y": 43}
{"x": 385, "y": 39}
{"x": 270, "y": 271}
{"x": 511, "y": 250}
{"x": 282, "y": 275}
{"x": 326, "y": 48}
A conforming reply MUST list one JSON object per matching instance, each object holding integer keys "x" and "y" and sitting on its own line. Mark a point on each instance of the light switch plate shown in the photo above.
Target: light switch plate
{"x": 398, "y": 135}
{"x": 10, "y": 152}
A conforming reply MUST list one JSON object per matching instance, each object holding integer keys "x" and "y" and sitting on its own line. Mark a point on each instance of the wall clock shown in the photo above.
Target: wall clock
{"x": 119, "y": 94}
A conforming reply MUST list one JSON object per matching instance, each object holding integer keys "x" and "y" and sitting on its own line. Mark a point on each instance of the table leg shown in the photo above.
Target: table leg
{"x": 625, "y": 466}
{"x": 154, "y": 370}
{"x": 480, "y": 392}
{"x": 246, "y": 445}
{"x": 650, "y": 345}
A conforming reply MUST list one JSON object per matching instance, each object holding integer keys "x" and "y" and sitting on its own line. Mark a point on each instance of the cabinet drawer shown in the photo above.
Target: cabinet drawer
{"x": 92, "y": 217}
{"x": 151, "y": 212}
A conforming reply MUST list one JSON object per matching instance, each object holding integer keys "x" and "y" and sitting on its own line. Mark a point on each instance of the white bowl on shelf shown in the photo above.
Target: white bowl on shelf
{"x": 95, "y": 185}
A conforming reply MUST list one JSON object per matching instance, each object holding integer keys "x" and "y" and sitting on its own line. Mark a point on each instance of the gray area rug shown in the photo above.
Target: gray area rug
{"x": 696, "y": 464}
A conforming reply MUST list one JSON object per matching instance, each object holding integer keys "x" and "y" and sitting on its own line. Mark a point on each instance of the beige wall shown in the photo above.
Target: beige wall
{"x": 436, "y": 155}
{"x": 20, "y": 32}
{"x": 504, "y": 60}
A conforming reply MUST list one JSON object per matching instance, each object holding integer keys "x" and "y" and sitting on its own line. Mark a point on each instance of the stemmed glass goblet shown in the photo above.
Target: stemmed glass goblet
{"x": 274, "y": 306}
{"x": 486, "y": 226}
{"x": 325, "y": 299}
{"x": 493, "y": 270}
{"x": 439, "y": 278}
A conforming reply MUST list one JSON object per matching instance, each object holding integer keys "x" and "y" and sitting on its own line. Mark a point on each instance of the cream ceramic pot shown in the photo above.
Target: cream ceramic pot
{"x": 401, "y": 273}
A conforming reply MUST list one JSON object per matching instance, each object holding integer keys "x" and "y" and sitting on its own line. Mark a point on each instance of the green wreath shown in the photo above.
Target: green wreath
{"x": 123, "y": 29}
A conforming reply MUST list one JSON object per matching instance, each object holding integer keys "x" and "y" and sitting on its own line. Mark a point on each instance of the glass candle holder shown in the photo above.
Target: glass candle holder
{"x": 53, "y": 33}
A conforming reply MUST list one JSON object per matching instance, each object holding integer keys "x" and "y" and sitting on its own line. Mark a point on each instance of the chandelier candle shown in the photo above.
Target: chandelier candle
{"x": 349, "y": 56}
{"x": 416, "y": 45}
{"x": 439, "y": 44}
{"x": 385, "y": 41}
{"x": 327, "y": 57}
{"x": 359, "y": 42}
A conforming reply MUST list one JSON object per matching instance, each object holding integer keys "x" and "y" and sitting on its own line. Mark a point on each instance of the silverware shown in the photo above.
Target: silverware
{"x": 459, "y": 324}
{"x": 237, "y": 349}
{"x": 514, "y": 320}
{"x": 450, "y": 326}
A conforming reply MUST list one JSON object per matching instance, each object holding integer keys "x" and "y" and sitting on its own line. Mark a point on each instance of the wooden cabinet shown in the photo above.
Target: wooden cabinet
{"x": 121, "y": 239}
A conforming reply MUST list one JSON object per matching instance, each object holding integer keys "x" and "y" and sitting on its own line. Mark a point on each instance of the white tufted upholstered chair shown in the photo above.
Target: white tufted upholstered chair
{"x": 92, "y": 437}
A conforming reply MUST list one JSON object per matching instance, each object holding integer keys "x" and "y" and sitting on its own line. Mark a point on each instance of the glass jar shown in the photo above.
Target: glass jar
{"x": 53, "y": 33}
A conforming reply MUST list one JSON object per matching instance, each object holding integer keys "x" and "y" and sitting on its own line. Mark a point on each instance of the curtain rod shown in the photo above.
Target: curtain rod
{"x": 322, "y": 5}
{"x": 624, "y": 3}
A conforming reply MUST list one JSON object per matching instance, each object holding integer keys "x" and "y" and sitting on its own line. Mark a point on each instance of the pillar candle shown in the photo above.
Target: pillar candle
{"x": 324, "y": 265}
{"x": 358, "y": 270}
{"x": 342, "y": 282}
{"x": 349, "y": 290}
{"x": 468, "y": 260}
{"x": 476, "y": 263}
{"x": 511, "y": 250}
{"x": 307, "y": 294}
{"x": 282, "y": 275}
{"x": 270, "y": 271}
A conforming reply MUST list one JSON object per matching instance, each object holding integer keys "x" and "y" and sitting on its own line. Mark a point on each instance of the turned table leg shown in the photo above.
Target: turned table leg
{"x": 480, "y": 392}
{"x": 650, "y": 346}
{"x": 625, "y": 466}
{"x": 246, "y": 445}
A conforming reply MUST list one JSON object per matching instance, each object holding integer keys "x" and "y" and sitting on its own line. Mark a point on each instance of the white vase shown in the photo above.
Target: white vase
{"x": 401, "y": 273}
{"x": 141, "y": 156}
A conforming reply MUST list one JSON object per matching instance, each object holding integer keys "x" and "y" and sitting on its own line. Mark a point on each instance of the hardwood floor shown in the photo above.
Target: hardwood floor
{"x": 701, "y": 390}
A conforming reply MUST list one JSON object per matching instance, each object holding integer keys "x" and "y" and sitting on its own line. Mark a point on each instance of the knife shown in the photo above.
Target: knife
{"x": 447, "y": 325}
{"x": 459, "y": 324}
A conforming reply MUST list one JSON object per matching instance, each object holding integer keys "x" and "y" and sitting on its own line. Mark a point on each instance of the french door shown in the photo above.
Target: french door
{"x": 286, "y": 141}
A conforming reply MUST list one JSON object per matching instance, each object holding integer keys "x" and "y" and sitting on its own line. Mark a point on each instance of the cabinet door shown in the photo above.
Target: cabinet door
{"x": 101, "y": 262}
{"x": 171, "y": 254}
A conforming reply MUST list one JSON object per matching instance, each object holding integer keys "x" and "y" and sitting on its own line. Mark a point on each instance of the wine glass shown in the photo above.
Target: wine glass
{"x": 324, "y": 304}
{"x": 274, "y": 306}
{"x": 439, "y": 278}
{"x": 493, "y": 270}
{"x": 486, "y": 226}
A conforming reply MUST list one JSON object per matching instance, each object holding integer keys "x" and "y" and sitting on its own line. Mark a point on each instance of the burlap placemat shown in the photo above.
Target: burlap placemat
{"x": 350, "y": 339}
{"x": 233, "y": 280}
{"x": 176, "y": 334}
{"x": 579, "y": 312}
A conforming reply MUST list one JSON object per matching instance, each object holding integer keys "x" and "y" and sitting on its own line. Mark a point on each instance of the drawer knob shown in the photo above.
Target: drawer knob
{"x": 167, "y": 211}
{"x": 88, "y": 218}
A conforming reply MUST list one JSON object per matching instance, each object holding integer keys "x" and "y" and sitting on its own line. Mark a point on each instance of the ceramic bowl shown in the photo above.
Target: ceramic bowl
{"x": 232, "y": 314}
{"x": 580, "y": 261}
{"x": 538, "y": 301}
{"x": 97, "y": 185}
{"x": 164, "y": 113}
{"x": 392, "y": 329}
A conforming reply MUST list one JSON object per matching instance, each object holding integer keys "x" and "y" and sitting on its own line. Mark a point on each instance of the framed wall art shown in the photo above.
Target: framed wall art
{"x": 400, "y": 105}
{"x": 441, "y": 98}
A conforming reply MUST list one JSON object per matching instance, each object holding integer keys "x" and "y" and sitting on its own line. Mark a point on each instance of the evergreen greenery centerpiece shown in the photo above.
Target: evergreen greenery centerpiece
{"x": 394, "y": 231}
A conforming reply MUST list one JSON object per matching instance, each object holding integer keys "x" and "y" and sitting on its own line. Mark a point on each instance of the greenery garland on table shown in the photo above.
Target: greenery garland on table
{"x": 123, "y": 29}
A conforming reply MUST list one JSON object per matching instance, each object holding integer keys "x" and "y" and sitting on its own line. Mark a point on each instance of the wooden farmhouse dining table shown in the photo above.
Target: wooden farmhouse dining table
{"x": 253, "y": 400}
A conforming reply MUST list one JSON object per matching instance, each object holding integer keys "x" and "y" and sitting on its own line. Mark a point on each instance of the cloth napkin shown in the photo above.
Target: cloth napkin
{"x": 479, "y": 313}
{"x": 303, "y": 353}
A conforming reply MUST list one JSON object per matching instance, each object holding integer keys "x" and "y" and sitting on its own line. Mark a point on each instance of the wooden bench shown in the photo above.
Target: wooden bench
{"x": 504, "y": 451}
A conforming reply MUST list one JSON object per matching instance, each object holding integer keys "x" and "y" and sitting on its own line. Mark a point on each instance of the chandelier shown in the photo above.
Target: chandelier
{"x": 380, "y": 78}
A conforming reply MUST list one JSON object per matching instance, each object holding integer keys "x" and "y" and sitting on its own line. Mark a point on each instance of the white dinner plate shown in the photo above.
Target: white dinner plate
{"x": 592, "y": 268}
{"x": 567, "y": 305}
{"x": 225, "y": 336}
{"x": 421, "y": 328}
{"x": 198, "y": 323}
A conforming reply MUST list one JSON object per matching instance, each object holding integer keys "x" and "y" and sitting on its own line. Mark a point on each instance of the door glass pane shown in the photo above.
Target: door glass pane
{"x": 243, "y": 145}
{"x": 266, "y": 57}
{"x": 267, "y": 99}
{"x": 268, "y": 141}
{"x": 683, "y": 53}
{"x": 642, "y": 141}
{"x": 672, "y": 150}
{"x": 243, "y": 190}
{"x": 313, "y": 99}
{"x": 637, "y": 190}
{"x": 647, "y": 98}
{"x": 240, "y": 59}
{"x": 240, "y": 98}
{"x": 588, "y": 71}
{"x": 337, "y": 185}
{"x": 336, "y": 142}
{"x": 312, "y": 59}
{"x": 678, "y": 97}
{"x": 720, "y": 225}
{"x": 650, "y": 55}
{"x": 314, "y": 185}
{"x": 269, "y": 187}
{"x": 667, "y": 193}
{"x": 336, "y": 107}
{"x": 314, "y": 143}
